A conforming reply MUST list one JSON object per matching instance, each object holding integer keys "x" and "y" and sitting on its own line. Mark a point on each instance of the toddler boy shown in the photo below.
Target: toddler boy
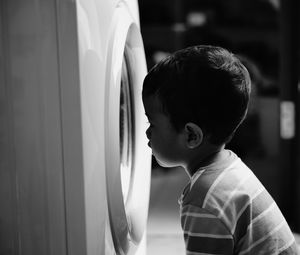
{"x": 195, "y": 100}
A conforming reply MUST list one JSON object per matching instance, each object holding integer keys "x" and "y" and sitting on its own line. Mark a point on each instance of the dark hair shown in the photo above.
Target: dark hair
{"x": 203, "y": 84}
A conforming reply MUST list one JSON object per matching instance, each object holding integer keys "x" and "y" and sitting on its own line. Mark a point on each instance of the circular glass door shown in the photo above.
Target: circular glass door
{"x": 126, "y": 130}
{"x": 127, "y": 157}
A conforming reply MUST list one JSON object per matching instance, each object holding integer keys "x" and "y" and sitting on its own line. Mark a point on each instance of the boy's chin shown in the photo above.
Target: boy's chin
{"x": 163, "y": 163}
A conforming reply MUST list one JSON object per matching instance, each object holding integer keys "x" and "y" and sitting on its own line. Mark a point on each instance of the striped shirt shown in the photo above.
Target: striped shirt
{"x": 226, "y": 210}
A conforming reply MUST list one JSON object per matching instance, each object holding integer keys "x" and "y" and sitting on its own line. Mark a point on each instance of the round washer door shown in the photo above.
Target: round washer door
{"x": 128, "y": 159}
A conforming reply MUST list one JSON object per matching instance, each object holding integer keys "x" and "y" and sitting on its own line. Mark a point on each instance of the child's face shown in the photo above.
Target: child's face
{"x": 165, "y": 141}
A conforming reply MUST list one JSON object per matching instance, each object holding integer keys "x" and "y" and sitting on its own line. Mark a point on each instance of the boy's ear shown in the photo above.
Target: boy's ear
{"x": 193, "y": 135}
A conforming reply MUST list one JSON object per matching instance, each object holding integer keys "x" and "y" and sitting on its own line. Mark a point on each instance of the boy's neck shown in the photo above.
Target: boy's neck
{"x": 206, "y": 159}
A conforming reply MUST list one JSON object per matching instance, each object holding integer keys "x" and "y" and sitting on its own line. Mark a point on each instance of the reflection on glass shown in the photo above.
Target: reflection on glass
{"x": 126, "y": 131}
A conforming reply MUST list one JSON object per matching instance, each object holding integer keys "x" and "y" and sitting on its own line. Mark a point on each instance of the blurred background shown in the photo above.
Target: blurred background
{"x": 265, "y": 35}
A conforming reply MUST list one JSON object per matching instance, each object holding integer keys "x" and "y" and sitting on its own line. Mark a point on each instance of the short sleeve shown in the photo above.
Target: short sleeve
{"x": 205, "y": 233}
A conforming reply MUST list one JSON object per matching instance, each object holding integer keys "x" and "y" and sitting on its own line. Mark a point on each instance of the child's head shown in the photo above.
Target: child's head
{"x": 204, "y": 85}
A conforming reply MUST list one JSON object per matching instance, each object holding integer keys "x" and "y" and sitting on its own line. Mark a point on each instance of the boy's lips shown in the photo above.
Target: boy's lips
{"x": 149, "y": 144}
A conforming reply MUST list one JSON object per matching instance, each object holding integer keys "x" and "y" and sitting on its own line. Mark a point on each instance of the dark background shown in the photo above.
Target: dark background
{"x": 264, "y": 34}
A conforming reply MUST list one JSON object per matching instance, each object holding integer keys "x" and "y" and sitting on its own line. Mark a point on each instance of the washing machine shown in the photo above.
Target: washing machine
{"x": 75, "y": 166}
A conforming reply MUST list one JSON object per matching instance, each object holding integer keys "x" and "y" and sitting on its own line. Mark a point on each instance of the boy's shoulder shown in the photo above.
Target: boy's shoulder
{"x": 217, "y": 179}
{"x": 217, "y": 188}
